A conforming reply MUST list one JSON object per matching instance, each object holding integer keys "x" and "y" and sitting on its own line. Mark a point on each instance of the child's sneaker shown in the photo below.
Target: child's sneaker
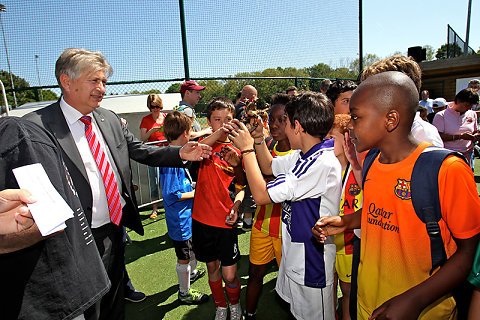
{"x": 200, "y": 273}
{"x": 221, "y": 313}
{"x": 153, "y": 216}
{"x": 192, "y": 297}
{"x": 236, "y": 312}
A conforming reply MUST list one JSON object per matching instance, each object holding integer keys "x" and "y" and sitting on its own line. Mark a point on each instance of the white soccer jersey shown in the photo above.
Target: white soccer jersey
{"x": 310, "y": 187}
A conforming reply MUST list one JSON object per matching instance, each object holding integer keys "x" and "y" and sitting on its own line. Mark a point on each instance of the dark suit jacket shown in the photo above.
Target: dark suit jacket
{"x": 123, "y": 146}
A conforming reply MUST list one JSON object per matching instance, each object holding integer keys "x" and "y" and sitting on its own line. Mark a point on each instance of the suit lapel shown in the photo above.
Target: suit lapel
{"x": 58, "y": 126}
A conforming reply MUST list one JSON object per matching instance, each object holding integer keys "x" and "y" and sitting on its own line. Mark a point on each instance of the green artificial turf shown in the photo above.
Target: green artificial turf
{"x": 151, "y": 263}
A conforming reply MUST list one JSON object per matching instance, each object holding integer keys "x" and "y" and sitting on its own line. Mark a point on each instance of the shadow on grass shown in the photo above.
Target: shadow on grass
{"x": 154, "y": 306}
{"x": 142, "y": 248}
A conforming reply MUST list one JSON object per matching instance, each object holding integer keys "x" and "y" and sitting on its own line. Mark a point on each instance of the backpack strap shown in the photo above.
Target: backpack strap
{"x": 180, "y": 108}
{"x": 367, "y": 163}
{"x": 426, "y": 200}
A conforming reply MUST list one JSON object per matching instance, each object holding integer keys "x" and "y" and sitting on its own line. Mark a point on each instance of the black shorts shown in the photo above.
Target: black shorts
{"x": 183, "y": 249}
{"x": 214, "y": 243}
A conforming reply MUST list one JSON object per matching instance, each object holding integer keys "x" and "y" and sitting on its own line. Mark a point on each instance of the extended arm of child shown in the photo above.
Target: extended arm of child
{"x": 236, "y": 162}
{"x": 244, "y": 141}
{"x": 217, "y": 135}
{"x": 410, "y": 304}
{"x": 332, "y": 225}
{"x": 264, "y": 157}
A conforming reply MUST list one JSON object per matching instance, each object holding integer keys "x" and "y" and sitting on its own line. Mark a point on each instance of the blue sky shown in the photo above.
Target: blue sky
{"x": 141, "y": 38}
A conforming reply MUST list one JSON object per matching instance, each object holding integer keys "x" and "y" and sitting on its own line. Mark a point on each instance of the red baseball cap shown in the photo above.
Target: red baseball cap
{"x": 190, "y": 85}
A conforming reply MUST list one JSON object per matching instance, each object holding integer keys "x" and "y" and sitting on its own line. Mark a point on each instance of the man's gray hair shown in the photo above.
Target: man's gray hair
{"x": 75, "y": 61}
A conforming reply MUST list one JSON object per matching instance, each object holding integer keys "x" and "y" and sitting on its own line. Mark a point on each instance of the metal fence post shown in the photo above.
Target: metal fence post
{"x": 184, "y": 40}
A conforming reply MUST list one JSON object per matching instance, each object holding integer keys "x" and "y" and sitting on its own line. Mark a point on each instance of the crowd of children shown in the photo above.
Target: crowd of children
{"x": 305, "y": 175}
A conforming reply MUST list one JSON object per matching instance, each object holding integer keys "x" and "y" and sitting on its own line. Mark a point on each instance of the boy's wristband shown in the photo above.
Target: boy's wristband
{"x": 259, "y": 143}
{"x": 247, "y": 151}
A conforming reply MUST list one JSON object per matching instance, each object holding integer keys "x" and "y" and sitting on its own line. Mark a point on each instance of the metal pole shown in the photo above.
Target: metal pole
{"x": 2, "y": 8}
{"x": 465, "y": 49}
{"x": 360, "y": 37}
{"x": 184, "y": 40}
{"x": 4, "y": 97}
{"x": 38, "y": 75}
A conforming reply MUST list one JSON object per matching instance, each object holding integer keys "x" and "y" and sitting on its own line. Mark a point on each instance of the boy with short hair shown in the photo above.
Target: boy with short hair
{"x": 215, "y": 240}
{"x": 178, "y": 196}
{"x": 308, "y": 181}
{"x": 394, "y": 277}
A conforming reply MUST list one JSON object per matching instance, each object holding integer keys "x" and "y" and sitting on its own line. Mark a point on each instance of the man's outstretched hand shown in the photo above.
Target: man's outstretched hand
{"x": 194, "y": 151}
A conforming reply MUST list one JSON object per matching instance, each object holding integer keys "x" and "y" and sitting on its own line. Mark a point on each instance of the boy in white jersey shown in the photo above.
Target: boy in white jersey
{"x": 308, "y": 181}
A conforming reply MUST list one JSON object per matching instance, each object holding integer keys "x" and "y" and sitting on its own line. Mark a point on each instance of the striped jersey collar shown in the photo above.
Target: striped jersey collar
{"x": 325, "y": 144}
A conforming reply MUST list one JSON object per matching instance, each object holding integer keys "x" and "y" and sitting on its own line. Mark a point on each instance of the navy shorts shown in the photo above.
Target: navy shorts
{"x": 183, "y": 249}
{"x": 214, "y": 243}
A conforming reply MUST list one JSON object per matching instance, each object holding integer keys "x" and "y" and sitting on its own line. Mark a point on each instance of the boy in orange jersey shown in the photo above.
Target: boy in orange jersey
{"x": 215, "y": 240}
{"x": 394, "y": 279}
{"x": 265, "y": 239}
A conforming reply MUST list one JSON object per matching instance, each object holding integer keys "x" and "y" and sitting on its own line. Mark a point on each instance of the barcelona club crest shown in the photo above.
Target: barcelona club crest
{"x": 402, "y": 189}
{"x": 354, "y": 189}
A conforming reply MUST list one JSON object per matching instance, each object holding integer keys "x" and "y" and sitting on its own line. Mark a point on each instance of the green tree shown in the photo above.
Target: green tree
{"x": 449, "y": 50}
{"x": 174, "y": 88}
{"x": 430, "y": 52}
{"x": 368, "y": 59}
{"x": 23, "y": 96}
{"x": 49, "y": 95}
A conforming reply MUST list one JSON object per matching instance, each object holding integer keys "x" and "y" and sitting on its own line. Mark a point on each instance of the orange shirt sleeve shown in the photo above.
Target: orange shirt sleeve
{"x": 459, "y": 198}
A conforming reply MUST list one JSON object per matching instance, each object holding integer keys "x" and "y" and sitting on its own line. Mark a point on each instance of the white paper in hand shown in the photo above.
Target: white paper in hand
{"x": 50, "y": 211}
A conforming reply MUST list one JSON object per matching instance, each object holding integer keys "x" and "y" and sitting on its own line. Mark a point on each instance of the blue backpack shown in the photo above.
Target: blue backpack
{"x": 425, "y": 195}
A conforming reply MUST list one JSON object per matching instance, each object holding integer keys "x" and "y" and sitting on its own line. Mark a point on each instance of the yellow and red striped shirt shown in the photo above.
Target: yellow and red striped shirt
{"x": 268, "y": 217}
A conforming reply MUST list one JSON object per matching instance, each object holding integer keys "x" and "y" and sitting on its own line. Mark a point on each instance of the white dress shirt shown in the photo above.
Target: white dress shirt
{"x": 100, "y": 213}
{"x": 424, "y": 131}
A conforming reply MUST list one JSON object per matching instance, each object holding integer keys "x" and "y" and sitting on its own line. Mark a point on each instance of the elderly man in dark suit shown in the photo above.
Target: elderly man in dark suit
{"x": 97, "y": 150}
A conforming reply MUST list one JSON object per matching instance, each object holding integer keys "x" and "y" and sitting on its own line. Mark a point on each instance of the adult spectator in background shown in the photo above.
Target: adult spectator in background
{"x": 191, "y": 94}
{"x": 457, "y": 124}
{"x": 426, "y": 101}
{"x": 292, "y": 90}
{"x": 438, "y": 105}
{"x": 97, "y": 149}
{"x": 151, "y": 129}
{"x": 421, "y": 130}
{"x": 339, "y": 93}
{"x": 53, "y": 277}
{"x": 324, "y": 85}
{"x": 474, "y": 84}
{"x": 248, "y": 93}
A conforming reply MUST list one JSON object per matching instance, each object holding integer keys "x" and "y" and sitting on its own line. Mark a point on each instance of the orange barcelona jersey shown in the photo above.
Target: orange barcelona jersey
{"x": 395, "y": 247}
{"x": 268, "y": 217}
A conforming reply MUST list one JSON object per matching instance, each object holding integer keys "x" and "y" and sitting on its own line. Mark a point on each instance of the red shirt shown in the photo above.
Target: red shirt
{"x": 212, "y": 201}
{"x": 148, "y": 123}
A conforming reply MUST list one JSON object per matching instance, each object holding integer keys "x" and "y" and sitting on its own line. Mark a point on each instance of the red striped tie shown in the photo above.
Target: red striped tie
{"x": 111, "y": 189}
